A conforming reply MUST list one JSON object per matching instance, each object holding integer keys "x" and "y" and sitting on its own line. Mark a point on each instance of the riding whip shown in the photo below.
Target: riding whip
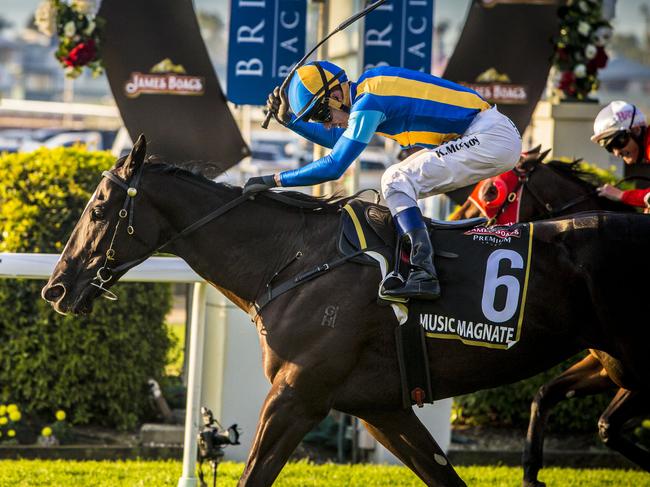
{"x": 344, "y": 25}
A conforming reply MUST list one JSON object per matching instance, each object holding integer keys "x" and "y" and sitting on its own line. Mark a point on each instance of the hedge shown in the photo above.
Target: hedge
{"x": 509, "y": 405}
{"x": 95, "y": 367}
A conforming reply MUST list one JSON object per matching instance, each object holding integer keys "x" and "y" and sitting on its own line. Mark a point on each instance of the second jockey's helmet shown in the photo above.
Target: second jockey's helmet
{"x": 618, "y": 116}
{"x": 311, "y": 87}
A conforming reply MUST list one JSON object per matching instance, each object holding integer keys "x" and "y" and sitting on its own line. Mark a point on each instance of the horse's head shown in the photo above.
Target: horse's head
{"x": 107, "y": 240}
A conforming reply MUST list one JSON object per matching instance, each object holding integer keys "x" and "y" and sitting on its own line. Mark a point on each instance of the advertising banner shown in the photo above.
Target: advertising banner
{"x": 504, "y": 52}
{"x": 399, "y": 33}
{"x": 267, "y": 37}
{"x": 164, "y": 83}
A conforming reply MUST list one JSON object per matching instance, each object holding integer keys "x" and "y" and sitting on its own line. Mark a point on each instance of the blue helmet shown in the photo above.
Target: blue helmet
{"x": 312, "y": 83}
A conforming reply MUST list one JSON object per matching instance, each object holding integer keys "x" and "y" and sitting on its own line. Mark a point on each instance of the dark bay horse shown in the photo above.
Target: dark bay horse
{"x": 554, "y": 189}
{"x": 577, "y": 282}
{"x": 548, "y": 189}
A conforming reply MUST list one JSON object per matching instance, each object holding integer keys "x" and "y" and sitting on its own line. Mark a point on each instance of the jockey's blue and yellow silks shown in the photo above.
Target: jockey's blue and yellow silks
{"x": 327, "y": 168}
{"x": 415, "y": 109}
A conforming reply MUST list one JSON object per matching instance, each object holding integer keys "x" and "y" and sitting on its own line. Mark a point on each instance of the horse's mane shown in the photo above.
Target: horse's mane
{"x": 195, "y": 172}
{"x": 573, "y": 171}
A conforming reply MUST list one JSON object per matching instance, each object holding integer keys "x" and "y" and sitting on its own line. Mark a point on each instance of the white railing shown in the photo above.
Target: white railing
{"x": 155, "y": 269}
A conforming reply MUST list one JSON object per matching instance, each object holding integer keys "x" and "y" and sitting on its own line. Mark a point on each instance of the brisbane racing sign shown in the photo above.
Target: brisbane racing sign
{"x": 165, "y": 78}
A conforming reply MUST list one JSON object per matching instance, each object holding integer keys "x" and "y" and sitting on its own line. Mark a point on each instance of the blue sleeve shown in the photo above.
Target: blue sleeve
{"x": 316, "y": 132}
{"x": 361, "y": 127}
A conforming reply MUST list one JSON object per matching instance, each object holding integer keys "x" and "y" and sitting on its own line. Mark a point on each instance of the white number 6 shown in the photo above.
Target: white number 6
{"x": 493, "y": 281}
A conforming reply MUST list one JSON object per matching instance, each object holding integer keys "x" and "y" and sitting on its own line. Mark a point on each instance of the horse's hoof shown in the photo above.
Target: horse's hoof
{"x": 533, "y": 483}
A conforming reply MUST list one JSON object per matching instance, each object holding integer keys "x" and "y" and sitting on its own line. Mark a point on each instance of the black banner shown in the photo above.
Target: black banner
{"x": 504, "y": 52}
{"x": 164, "y": 83}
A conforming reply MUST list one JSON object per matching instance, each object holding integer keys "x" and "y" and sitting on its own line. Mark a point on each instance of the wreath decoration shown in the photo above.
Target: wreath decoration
{"x": 79, "y": 32}
{"x": 580, "y": 48}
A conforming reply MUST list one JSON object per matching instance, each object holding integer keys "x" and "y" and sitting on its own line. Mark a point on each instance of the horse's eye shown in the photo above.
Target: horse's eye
{"x": 97, "y": 213}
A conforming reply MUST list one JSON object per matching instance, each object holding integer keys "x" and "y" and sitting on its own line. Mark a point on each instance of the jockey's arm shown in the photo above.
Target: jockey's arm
{"x": 637, "y": 197}
{"x": 316, "y": 132}
{"x": 362, "y": 125}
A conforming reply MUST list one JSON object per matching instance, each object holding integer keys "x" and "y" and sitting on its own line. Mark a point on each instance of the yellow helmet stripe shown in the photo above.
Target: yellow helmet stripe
{"x": 311, "y": 78}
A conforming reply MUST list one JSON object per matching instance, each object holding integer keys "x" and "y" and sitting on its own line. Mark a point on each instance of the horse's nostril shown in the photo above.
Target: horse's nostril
{"x": 53, "y": 293}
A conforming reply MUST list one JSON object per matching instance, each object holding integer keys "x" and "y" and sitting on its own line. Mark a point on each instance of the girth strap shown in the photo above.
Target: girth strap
{"x": 303, "y": 277}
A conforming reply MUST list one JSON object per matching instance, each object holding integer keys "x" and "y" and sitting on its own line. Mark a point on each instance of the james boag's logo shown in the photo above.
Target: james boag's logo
{"x": 165, "y": 78}
{"x": 497, "y": 88}
{"x": 493, "y": 235}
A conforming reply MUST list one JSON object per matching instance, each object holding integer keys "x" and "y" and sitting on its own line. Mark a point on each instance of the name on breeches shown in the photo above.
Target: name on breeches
{"x": 468, "y": 330}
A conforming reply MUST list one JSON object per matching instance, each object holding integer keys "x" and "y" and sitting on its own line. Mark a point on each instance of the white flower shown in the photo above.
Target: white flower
{"x": 45, "y": 18}
{"x": 69, "y": 29}
{"x": 584, "y": 28}
{"x": 580, "y": 71}
{"x": 85, "y": 7}
{"x": 590, "y": 51}
{"x": 584, "y": 6}
{"x": 90, "y": 29}
{"x": 602, "y": 35}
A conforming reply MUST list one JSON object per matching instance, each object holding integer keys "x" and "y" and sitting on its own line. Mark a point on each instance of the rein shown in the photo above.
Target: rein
{"x": 524, "y": 177}
{"x": 105, "y": 273}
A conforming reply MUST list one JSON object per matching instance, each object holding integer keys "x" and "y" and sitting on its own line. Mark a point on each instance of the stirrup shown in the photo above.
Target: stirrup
{"x": 382, "y": 288}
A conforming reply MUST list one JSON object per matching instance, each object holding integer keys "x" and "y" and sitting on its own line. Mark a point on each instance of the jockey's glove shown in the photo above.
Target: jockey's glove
{"x": 259, "y": 183}
{"x": 610, "y": 192}
{"x": 278, "y": 105}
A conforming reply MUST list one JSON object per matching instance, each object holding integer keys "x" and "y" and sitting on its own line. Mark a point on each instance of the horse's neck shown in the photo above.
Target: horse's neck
{"x": 239, "y": 251}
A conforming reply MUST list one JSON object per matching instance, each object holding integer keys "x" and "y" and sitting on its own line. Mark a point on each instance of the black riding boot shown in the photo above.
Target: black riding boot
{"x": 422, "y": 282}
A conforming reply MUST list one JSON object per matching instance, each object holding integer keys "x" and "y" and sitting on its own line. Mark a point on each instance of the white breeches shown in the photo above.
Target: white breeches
{"x": 490, "y": 146}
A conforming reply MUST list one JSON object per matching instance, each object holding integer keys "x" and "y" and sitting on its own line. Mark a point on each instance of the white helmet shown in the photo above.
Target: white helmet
{"x": 618, "y": 115}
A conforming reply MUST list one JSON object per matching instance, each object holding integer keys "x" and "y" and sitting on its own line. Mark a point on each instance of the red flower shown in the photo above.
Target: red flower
{"x": 81, "y": 54}
{"x": 562, "y": 54}
{"x": 601, "y": 58}
{"x": 566, "y": 80}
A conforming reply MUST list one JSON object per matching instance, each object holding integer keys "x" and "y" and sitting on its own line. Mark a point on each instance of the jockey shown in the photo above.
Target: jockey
{"x": 620, "y": 128}
{"x": 465, "y": 140}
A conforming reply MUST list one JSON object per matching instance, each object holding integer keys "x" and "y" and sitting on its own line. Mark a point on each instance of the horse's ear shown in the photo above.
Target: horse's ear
{"x": 543, "y": 155}
{"x": 135, "y": 158}
{"x": 535, "y": 150}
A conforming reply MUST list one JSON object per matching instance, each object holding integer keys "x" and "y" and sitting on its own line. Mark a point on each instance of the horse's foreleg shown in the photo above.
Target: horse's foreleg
{"x": 406, "y": 437}
{"x": 582, "y": 379}
{"x": 625, "y": 406}
{"x": 286, "y": 417}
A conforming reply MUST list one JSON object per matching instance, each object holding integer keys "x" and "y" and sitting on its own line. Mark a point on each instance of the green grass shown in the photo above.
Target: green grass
{"x": 23, "y": 473}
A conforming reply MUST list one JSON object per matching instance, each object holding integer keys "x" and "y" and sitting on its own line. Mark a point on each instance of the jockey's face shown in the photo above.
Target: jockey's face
{"x": 339, "y": 117}
{"x": 629, "y": 153}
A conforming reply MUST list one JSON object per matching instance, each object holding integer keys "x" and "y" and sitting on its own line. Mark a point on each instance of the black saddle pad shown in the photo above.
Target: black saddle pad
{"x": 483, "y": 286}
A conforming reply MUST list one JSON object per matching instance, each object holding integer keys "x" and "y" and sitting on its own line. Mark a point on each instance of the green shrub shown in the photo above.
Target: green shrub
{"x": 509, "y": 405}
{"x": 95, "y": 367}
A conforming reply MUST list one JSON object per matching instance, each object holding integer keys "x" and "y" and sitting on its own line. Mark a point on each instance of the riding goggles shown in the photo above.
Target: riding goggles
{"x": 322, "y": 110}
{"x": 617, "y": 141}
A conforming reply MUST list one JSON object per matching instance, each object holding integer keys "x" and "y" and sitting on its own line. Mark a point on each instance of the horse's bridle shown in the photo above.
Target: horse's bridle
{"x": 523, "y": 176}
{"x": 105, "y": 273}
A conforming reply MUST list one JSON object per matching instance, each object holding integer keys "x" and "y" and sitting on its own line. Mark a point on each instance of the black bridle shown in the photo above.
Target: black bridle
{"x": 524, "y": 176}
{"x": 106, "y": 273}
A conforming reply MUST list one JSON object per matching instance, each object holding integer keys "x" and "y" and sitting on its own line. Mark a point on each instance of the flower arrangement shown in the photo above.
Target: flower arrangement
{"x": 79, "y": 31}
{"x": 580, "y": 47}
{"x": 57, "y": 432}
{"x": 10, "y": 416}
